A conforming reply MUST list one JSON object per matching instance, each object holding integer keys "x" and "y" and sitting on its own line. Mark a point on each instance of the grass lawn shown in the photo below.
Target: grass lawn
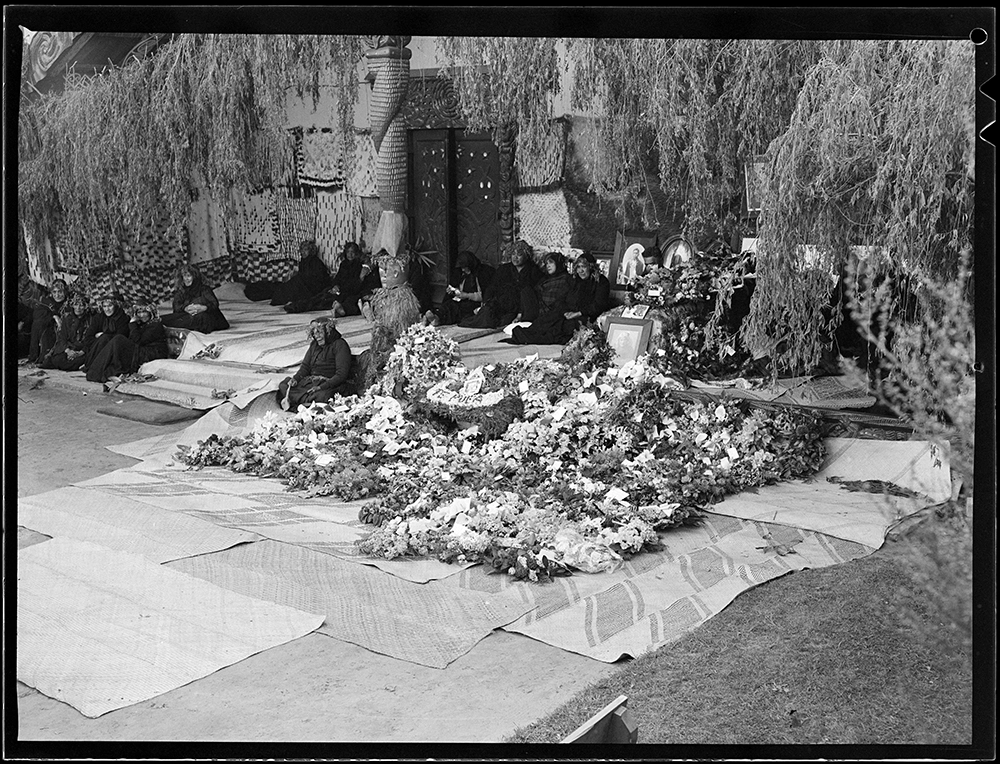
{"x": 851, "y": 654}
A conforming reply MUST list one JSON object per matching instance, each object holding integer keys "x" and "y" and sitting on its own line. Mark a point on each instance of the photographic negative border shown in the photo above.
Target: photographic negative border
{"x": 641, "y": 326}
{"x": 622, "y": 242}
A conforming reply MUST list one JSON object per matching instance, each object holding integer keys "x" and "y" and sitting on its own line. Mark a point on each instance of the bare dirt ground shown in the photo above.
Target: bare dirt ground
{"x": 312, "y": 689}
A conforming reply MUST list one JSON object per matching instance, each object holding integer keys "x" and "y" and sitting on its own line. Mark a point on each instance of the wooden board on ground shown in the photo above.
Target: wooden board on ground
{"x": 612, "y": 724}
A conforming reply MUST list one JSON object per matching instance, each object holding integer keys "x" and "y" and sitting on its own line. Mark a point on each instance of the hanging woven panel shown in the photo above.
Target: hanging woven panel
{"x": 296, "y": 223}
{"x": 321, "y": 158}
{"x": 254, "y": 226}
{"x": 541, "y": 165}
{"x": 248, "y": 270}
{"x": 206, "y": 229}
{"x": 338, "y": 221}
{"x": 362, "y": 180}
{"x": 543, "y": 220}
{"x": 155, "y": 247}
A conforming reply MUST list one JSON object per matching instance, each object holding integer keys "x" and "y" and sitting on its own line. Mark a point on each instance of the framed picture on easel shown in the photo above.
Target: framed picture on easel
{"x": 627, "y": 262}
{"x": 628, "y": 337}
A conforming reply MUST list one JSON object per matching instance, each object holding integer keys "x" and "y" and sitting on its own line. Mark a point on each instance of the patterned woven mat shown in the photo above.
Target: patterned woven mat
{"x": 659, "y": 597}
{"x": 102, "y": 630}
{"x": 121, "y": 524}
{"x": 429, "y": 624}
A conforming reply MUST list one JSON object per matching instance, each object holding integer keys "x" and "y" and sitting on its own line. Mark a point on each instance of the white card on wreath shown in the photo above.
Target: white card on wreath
{"x": 635, "y": 311}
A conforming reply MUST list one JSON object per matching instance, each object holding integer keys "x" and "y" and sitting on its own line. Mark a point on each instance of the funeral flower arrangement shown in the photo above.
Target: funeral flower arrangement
{"x": 582, "y": 471}
{"x": 682, "y": 300}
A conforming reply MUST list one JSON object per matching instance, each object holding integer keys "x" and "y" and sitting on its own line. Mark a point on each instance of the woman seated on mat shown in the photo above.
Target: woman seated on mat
{"x": 587, "y": 296}
{"x": 45, "y": 306}
{"x": 73, "y": 337}
{"x": 110, "y": 321}
{"x": 548, "y": 295}
{"x": 502, "y": 300}
{"x": 465, "y": 292}
{"x": 309, "y": 279}
{"x": 325, "y": 369}
{"x": 195, "y": 305}
{"x": 146, "y": 341}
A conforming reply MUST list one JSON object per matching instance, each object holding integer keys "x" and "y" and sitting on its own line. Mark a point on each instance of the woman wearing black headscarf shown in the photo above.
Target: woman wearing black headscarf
{"x": 195, "y": 305}
{"x": 73, "y": 337}
{"x": 588, "y": 294}
{"x": 502, "y": 299}
{"x": 325, "y": 369}
{"x": 45, "y": 306}
{"x": 110, "y": 321}
{"x": 146, "y": 341}
{"x": 465, "y": 291}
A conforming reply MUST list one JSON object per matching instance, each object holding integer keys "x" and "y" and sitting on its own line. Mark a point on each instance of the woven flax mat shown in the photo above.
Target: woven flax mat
{"x": 658, "y": 597}
{"x": 827, "y": 507}
{"x": 120, "y": 524}
{"x": 261, "y": 506}
{"x": 430, "y": 624}
{"x": 102, "y": 630}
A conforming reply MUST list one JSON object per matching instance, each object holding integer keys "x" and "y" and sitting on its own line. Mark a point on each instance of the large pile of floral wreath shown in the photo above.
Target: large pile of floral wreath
{"x": 533, "y": 467}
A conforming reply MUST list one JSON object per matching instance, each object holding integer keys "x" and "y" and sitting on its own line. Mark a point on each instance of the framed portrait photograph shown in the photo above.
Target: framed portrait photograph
{"x": 627, "y": 260}
{"x": 629, "y": 337}
{"x": 604, "y": 262}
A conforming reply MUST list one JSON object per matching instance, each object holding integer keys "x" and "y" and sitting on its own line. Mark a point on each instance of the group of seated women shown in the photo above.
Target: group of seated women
{"x": 545, "y": 304}
{"x": 311, "y": 287}
{"x": 59, "y": 330}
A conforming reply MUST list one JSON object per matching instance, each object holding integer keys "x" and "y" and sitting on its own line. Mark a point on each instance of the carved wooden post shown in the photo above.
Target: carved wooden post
{"x": 389, "y": 61}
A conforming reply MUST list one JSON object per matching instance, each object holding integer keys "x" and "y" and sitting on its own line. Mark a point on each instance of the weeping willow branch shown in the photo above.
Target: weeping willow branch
{"x": 879, "y": 152}
{"x": 505, "y": 82}
{"x": 114, "y": 152}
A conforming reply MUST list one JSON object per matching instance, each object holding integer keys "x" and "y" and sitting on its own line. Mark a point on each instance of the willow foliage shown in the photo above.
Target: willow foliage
{"x": 503, "y": 83}
{"x": 114, "y": 152}
{"x": 878, "y": 152}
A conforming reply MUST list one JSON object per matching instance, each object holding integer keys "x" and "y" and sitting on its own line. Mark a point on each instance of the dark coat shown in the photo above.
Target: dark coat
{"x": 331, "y": 361}
{"x": 504, "y": 294}
{"x": 116, "y": 323}
{"x": 590, "y": 297}
{"x": 207, "y": 321}
{"x": 113, "y": 355}
{"x": 311, "y": 278}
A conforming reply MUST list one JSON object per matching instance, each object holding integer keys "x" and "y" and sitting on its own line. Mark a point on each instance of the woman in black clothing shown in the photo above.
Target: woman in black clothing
{"x": 195, "y": 305}
{"x": 549, "y": 294}
{"x": 146, "y": 341}
{"x": 109, "y": 322}
{"x": 73, "y": 337}
{"x": 465, "y": 292}
{"x": 587, "y": 296}
{"x": 502, "y": 299}
{"x": 45, "y": 306}
{"x": 355, "y": 278}
{"x": 325, "y": 369}
{"x": 310, "y": 278}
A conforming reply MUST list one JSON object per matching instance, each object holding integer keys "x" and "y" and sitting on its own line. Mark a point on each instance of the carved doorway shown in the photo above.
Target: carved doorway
{"x": 455, "y": 200}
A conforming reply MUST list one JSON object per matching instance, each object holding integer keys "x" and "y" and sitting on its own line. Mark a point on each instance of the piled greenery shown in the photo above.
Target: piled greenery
{"x": 114, "y": 151}
{"x": 592, "y": 466}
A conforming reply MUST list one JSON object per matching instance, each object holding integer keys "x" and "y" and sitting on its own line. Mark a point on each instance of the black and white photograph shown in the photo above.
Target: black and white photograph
{"x": 481, "y": 383}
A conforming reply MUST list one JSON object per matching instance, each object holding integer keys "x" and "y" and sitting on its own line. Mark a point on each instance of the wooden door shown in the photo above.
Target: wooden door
{"x": 477, "y": 190}
{"x": 454, "y": 197}
{"x": 430, "y": 198}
